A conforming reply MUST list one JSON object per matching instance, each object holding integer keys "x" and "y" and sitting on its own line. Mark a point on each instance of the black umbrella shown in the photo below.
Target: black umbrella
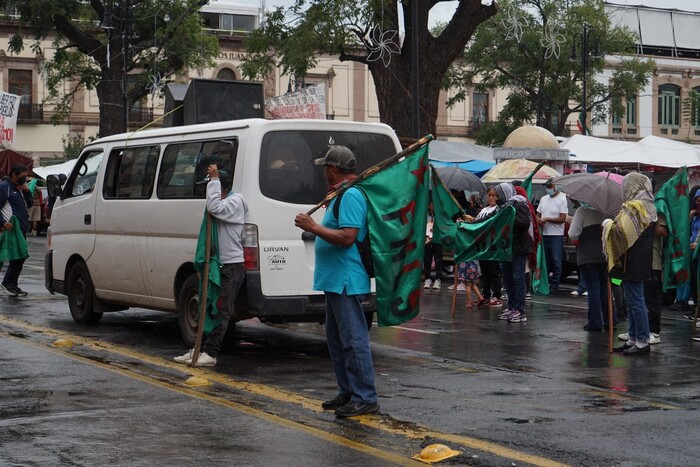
{"x": 458, "y": 179}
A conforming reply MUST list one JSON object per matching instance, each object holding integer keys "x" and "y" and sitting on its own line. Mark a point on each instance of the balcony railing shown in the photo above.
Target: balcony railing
{"x": 30, "y": 113}
{"x": 140, "y": 116}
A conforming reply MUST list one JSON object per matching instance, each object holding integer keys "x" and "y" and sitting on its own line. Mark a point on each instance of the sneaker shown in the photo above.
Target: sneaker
{"x": 679, "y": 306}
{"x": 426, "y": 284}
{"x": 690, "y": 315}
{"x": 338, "y": 401}
{"x": 205, "y": 360}
{"x": 20, "y": 292}
{"x": 575, "y": 293}
{"x": 460, "y": 287}
{"x": 624, "y": 337}
{"x": 355, "y": 408}
{"x": 654, "y": 338}
{"x": 437, "y": 284}
{"x": 495, "y": 302}
{"x": 507, "y": 314}
{"x": 187, "y": 358}
{"x": 584, "y": 294}
{"x": 8, "y": 290}
{"x": 517, "y": 317}
{"x": 696, "y": 339}
{"x": 528, "y": 296}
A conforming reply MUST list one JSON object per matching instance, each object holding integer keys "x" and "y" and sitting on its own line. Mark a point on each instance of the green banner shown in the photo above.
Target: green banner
{"x": 672, "y": 201}
{"x": 540, "y": 276}
{"x": 212, "y": 317}
{"x": 527, "y": 183}
{"x": 397, "y": 209}
{"x": 12, "y": 243}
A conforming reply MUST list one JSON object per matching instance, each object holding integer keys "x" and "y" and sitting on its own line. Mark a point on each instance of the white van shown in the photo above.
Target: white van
{"x": 124, "y": 230}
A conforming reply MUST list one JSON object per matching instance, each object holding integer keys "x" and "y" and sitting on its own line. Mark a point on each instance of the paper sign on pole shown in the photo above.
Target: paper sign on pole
{"x": 309, "y": 102}
{"x": 9, "y": 108}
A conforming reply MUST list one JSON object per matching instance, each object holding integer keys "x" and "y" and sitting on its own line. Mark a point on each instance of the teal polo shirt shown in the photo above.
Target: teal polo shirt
{"x": 339, "y": 268}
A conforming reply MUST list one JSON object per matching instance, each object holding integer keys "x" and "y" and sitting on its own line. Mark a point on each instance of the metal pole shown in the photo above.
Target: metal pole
{"x": 125, "y": 78}
{"x": 415, "y": 106}
{"x": 584, "y": 57}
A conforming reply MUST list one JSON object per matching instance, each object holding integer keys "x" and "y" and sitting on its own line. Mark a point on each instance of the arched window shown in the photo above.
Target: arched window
{"x": 669, "y": 113}
{"x": 226, "y": 74}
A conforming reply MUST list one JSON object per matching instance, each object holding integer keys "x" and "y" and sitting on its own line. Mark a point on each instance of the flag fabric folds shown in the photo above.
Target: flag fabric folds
{"x": 527, "y": 183}
{"x": 491, "y": 239}
{"x": 540, "y": 276}
{"x": 13, "y": 245}
{"x": 672, "y": 201}
{"x": 397, "y": 209}
{"x": 212, "y": 317}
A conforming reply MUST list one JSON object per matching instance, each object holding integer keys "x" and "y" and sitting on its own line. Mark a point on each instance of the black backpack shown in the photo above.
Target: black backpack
{"x": 364, "y": 246}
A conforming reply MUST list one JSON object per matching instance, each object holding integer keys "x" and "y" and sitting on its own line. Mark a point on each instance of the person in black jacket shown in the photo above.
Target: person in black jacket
{"x": 15, "y": 199}
{"x": 514, "y": 270}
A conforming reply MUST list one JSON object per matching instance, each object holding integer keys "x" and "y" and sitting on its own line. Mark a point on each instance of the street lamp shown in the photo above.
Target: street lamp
{"x": 586, "y": 54}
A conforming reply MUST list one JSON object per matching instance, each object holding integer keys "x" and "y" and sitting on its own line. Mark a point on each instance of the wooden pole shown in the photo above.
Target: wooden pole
{"x": 611, "y": 328}
{"x": 373, "y": 170}
{"x": 205, "y": 291}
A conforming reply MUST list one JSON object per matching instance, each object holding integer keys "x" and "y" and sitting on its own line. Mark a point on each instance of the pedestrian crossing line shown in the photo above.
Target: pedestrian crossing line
{"x": 406, "y": 430}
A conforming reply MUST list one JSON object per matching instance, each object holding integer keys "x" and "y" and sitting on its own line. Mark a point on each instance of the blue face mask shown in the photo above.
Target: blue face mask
{"x": 550, "y": 191}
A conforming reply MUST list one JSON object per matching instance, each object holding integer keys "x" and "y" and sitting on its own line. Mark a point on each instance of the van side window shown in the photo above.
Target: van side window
{"x": 131, "y": 173}
{"x": 84, "y": 176}
{"x": 184, "y": 168}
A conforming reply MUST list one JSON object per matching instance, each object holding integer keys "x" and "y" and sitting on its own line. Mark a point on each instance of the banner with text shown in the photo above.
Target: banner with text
{"x": 9, "y": 108}
{"x": 309, "y": 102}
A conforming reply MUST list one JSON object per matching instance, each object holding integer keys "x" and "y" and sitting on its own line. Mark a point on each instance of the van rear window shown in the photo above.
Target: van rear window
{"x": 287, "y": 170}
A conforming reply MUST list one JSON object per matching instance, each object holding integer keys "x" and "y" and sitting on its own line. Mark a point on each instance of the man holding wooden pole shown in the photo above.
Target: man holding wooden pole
{"x": 227, "y": 210}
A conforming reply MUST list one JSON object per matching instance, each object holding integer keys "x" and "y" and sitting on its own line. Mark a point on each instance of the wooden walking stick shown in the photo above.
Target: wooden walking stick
{"x": 205, "y": 291}
{"x": 373, "y": 170}
{"x": 611, "y": 328}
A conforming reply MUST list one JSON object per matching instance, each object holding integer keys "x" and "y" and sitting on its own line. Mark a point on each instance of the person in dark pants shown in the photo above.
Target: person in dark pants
{"x": 229, "y": 209}
{"x": 15, "y": 199}
{"x": 433, "y": 252}
{"x": 341, "y": 276}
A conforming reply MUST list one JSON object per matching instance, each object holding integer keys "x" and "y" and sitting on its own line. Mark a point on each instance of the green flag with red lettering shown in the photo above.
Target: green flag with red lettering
{"x": 397, "y": 209}
{"x": 672, "y": 203}
{"x": 212, "y": 318}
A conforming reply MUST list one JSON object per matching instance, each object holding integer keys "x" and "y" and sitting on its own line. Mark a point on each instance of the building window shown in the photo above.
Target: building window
{"x": 226, "y": 74}
{"x": 695, "y": 109}
{"x": 616, "y": 116}
{"x": 480, "y": 108}
{"x": 20, "y": 84}
{"x": 237, "y": 22}
{"x": 631, "y": 111}
{"x": 669, "y": 112}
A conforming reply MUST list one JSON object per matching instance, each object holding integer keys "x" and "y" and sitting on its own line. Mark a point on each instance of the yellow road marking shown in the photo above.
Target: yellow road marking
{"x": 625, "y": 397}
{"x": 409, "y": 431}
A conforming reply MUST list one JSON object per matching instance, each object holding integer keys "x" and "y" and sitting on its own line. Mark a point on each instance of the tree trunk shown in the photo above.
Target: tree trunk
{"x": 109, "y": 93}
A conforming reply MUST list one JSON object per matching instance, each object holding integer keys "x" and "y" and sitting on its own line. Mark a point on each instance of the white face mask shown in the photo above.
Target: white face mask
{"x": 550, "y": 191}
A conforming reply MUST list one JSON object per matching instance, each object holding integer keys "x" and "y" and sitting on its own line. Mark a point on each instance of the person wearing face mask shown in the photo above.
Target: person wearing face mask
{"x": 15, "y": 199}
{"x": 551, "y": 215}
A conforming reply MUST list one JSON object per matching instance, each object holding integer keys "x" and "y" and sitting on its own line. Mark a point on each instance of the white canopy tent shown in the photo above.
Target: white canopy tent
{"x": 652, "y": 150}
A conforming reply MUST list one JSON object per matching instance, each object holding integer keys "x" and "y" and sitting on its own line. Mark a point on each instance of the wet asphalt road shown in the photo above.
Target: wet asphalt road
{"x": 541, "y": 392}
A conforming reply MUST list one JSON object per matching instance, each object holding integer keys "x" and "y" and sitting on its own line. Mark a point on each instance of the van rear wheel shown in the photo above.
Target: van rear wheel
{"x": 81, "y": 295}
{"x": 187, "y": 309}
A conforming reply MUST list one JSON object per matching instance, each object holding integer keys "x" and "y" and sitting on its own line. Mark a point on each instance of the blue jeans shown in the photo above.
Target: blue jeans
{"x": 636, "y": 311}
{"x": 514, "y": 278}
{"x": 554, "y": 252}
{"x": 348, "y": 344}
{"x": 595, "y": 277}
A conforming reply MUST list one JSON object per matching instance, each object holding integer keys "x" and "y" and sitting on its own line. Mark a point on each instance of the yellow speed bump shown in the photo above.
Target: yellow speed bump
{"x": 197, "y": 381}
{"x": 63, "y": 343}
{"x": 435, "y": 453}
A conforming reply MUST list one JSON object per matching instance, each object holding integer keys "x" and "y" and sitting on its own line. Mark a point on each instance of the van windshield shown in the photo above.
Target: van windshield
{"x": 287, "y": 170}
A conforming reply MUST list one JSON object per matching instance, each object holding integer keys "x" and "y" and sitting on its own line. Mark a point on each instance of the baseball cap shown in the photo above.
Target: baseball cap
{"x": 339, "y": 156}
{"x": 549, "y": 182}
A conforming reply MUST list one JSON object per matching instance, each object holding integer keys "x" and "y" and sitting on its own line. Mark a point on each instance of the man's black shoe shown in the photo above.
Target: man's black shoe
{"x": 19, "y": 292}
{"x": 636, "y": 350}
{"x": 8, "y": 289}
{"x": 355, "y": 408}
{"x": 623, "y": 347}
{"x": 340, "y": 400}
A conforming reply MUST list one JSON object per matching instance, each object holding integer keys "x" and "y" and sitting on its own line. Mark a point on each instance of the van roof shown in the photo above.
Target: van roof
{"x": 269, "y": 125}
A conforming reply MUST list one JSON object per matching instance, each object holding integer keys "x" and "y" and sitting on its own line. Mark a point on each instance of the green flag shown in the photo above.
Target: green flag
{"x": 212, "y": 317}
{"x": 12, "y": 243}
{"x": 527, "y": 183}
{"x": 32, "y": 185}
{"x": 540, "y": 276}
{"x": 672, "y": 201}
{"x": 397, "y": 209}
{"x": 491, "y": 239}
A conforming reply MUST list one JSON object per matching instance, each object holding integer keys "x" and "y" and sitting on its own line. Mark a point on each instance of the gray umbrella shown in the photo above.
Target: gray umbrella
{"x": 455, "y": 178}
{"x": 601, "y": 193}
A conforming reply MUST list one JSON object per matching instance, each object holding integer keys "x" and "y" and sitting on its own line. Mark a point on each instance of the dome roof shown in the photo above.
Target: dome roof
{"x": 531, "y": 137}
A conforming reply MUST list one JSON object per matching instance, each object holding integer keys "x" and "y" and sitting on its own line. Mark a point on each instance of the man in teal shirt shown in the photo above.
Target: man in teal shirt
{"x": 339, "y": 273}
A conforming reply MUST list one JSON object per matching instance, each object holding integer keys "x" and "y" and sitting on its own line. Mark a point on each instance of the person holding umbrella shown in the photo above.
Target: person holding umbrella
{"x": 627, "y": 242}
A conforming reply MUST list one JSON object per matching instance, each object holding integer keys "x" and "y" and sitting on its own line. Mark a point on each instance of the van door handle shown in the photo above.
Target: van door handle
{"x": 87, "y": 219}
{"x": 308, "y": 236}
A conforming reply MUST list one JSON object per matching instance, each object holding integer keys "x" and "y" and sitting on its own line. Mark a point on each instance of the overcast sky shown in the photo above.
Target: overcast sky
{"x": 443, "y": 11}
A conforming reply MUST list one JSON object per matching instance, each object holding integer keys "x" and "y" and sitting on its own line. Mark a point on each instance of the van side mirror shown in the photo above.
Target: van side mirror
{"x": 53, "y": 186}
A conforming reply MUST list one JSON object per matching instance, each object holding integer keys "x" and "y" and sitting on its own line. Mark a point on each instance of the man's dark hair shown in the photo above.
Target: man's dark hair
{"x": 516, "y": 183}
{"x": 226, "y": 181}
{"x": 18, "y": 169}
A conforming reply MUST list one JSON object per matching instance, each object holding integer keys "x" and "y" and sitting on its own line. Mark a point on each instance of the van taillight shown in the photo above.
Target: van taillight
{"x": 250, "y": 247}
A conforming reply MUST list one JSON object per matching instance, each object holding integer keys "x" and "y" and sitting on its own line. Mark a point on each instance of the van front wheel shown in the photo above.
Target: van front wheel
{"x": 81, "y": 295}
{"x": 187, "y": 309}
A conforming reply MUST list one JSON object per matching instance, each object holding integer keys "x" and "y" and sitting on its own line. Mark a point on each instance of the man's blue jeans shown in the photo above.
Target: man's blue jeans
{"x": 595, "y": 277}
{"x": 514, "y": 278}
{"x": 554, "y": 252}
{"x": 348, "y": 344}
{"x": 636, "y": 311}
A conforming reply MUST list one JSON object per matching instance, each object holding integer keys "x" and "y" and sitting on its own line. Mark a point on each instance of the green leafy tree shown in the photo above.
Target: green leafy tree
{"x": 163, "y": 38}
{"x": 527, "y": 49}
{"x": 356, "y": 31}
